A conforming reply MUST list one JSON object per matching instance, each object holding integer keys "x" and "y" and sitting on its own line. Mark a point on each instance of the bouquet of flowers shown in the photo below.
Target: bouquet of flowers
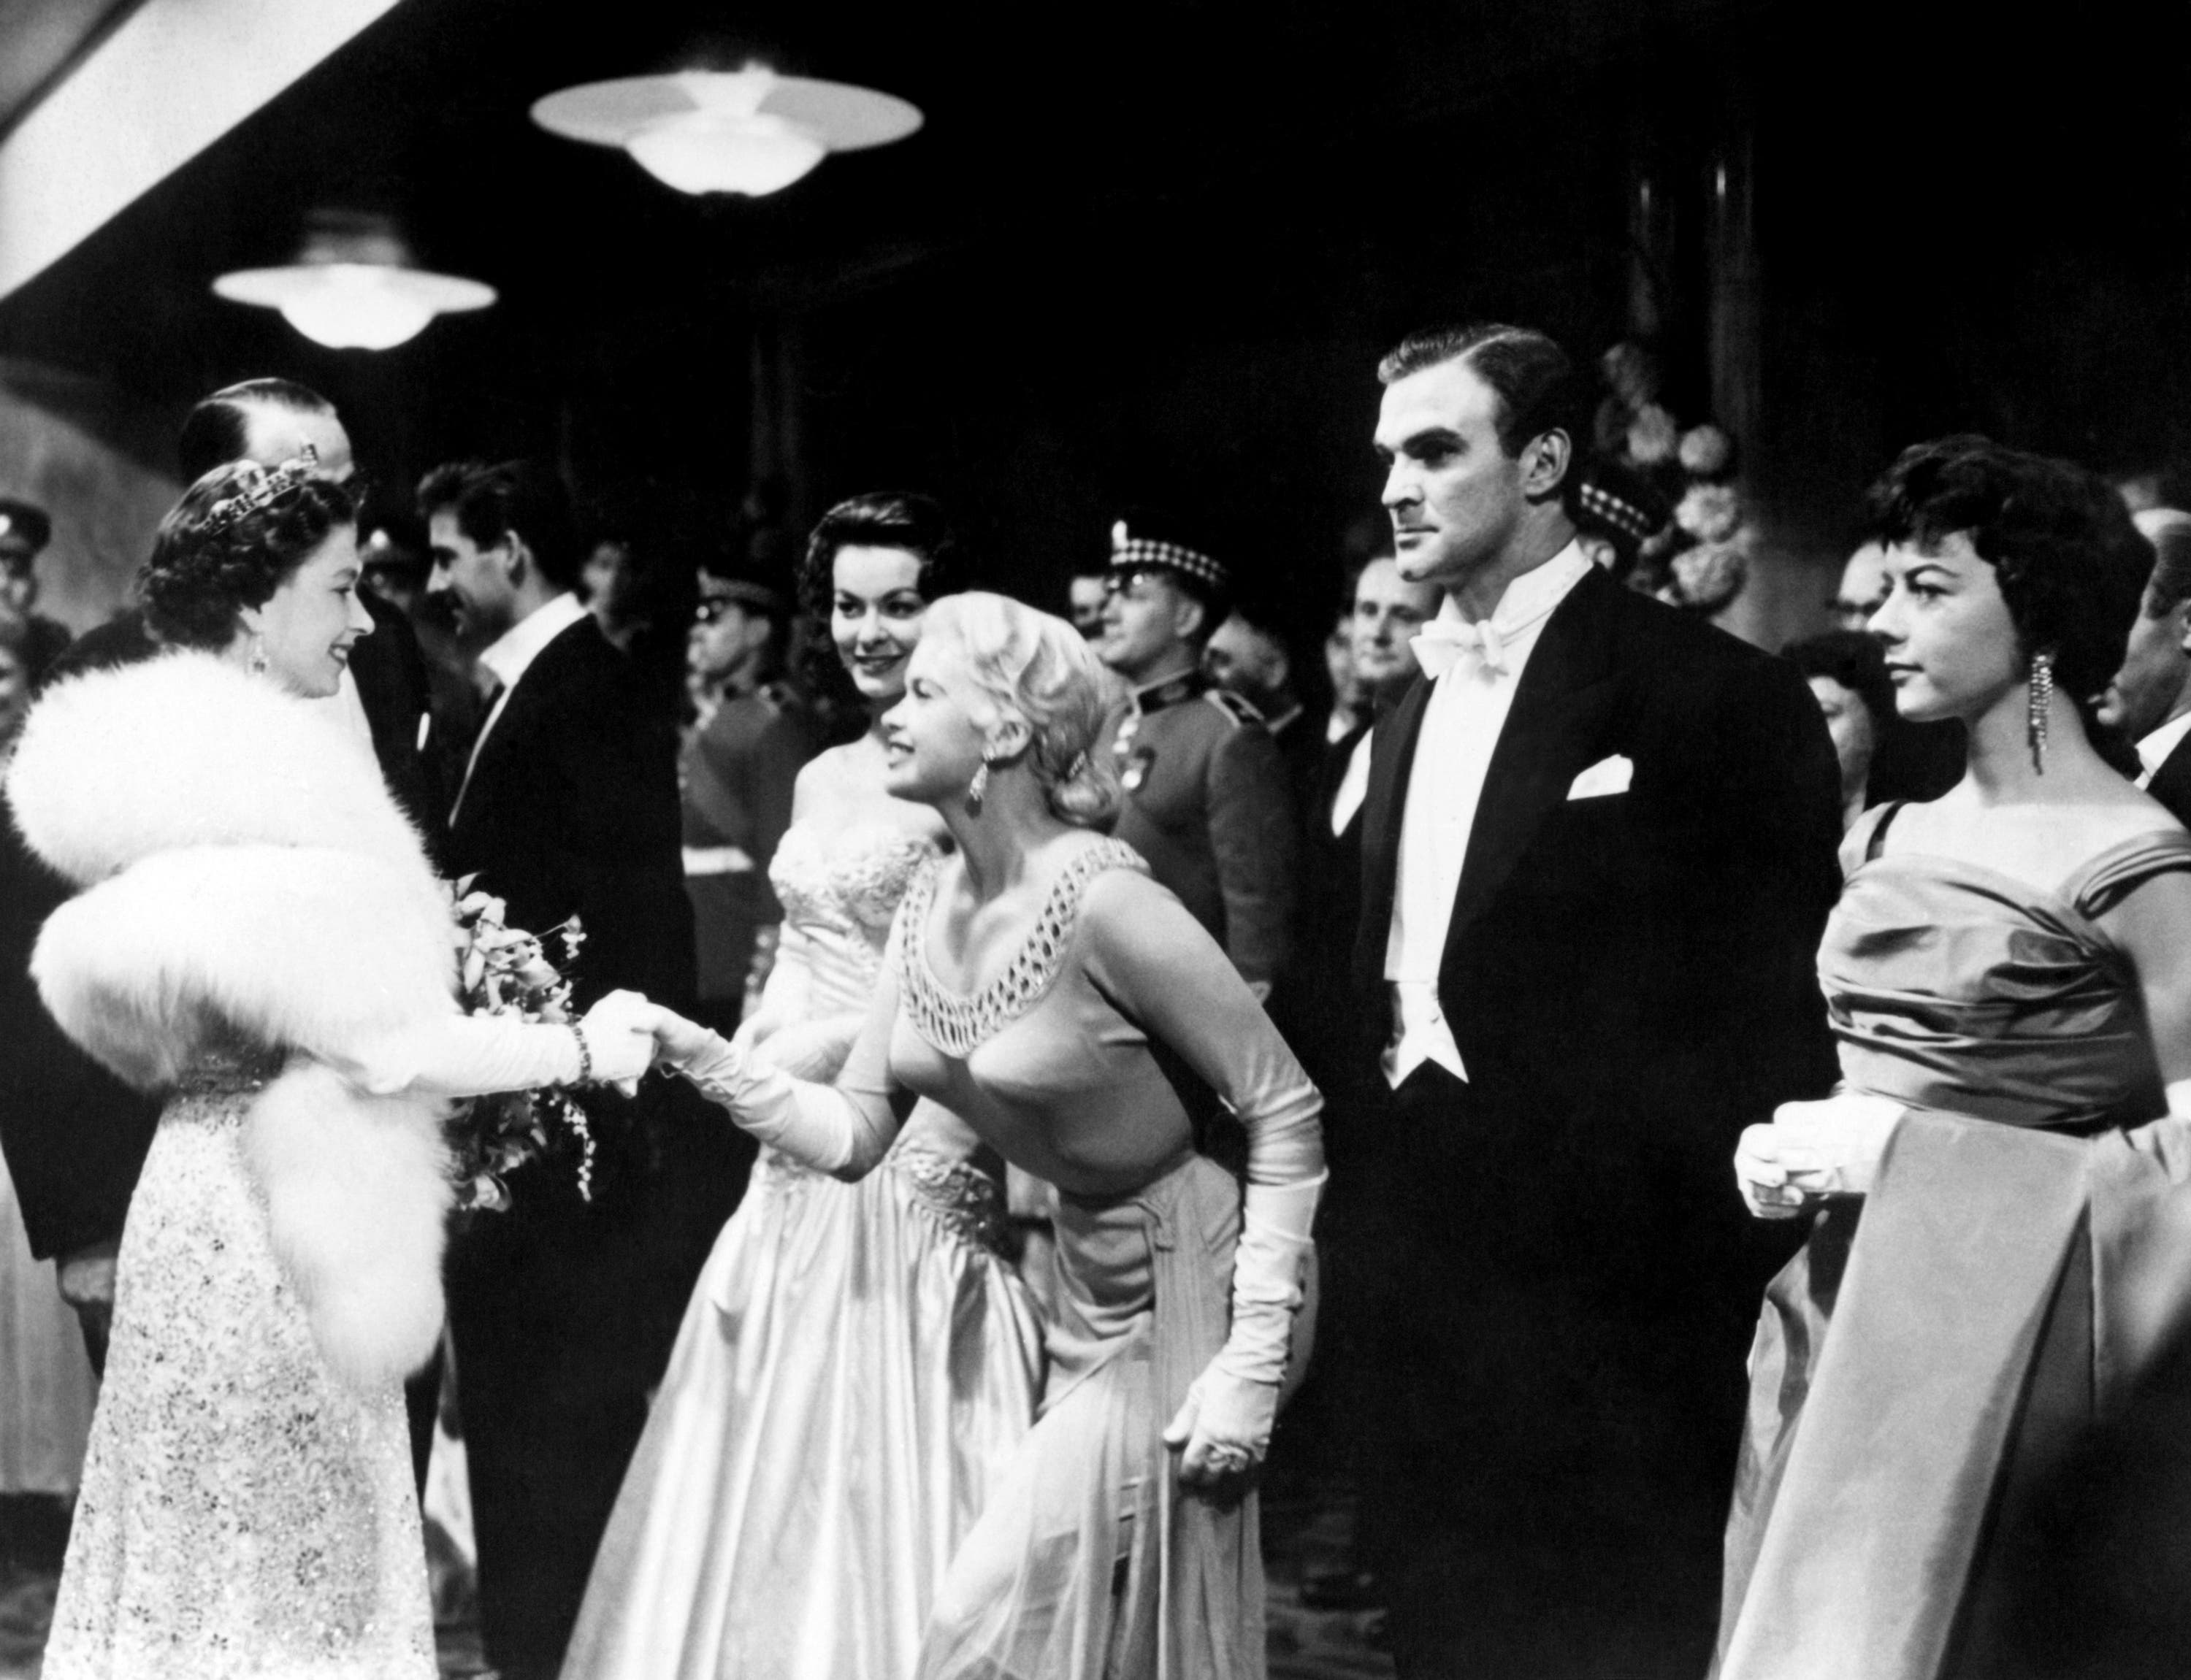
{"x": 505, "y": 971}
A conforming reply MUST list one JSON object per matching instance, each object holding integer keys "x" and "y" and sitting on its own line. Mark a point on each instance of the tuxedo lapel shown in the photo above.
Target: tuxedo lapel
{"x": 1391, "y": 759}
{"x": 2171, "y": 782}
{"x": 1558, "y": 722}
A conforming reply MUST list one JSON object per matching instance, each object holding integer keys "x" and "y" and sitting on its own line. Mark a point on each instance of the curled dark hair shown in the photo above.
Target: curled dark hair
{"x": 1539, "y": 387}
{"x": 2071, "y": 566}
{"x": 201, "y": 576}
{"x": 878, "y": 518}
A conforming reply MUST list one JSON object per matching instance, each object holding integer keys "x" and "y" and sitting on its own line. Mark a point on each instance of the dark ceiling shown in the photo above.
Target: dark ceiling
{"x": 1155, "y": 244}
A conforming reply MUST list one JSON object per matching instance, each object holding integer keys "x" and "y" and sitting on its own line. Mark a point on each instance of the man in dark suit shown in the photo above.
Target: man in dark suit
{"x": 560, "y": 1308}
{"x": 1248, "y": 656}
{"x": 2149, "y": 701}
{"x": 75, "y": 1138}
{"x": 1598, "y": 851}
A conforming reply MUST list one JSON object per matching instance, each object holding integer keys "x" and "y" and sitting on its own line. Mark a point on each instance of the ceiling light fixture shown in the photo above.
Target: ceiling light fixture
{"x": 354, "y": 287}
{"x": 746, "y": 131}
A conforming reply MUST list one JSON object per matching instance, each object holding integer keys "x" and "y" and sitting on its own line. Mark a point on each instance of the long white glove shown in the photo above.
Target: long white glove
{"x": 827, "y": 1128}
{"x": 1223, "y": 1430}
{"x": 1831, "y": 1147}
{"x": 470, "y": 1055}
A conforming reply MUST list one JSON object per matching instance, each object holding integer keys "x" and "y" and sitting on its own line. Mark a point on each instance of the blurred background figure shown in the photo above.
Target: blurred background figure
{"x": 395, "y": 570}
{"x": 1616, "y": 511}
{"x": 1349, "y": 703}
{"x": 1848, "y": 674}
{"x": 2149, "y": 702}
{"x": 640, "y": 594}
{"x": 25, "y": 530}
{"x": 1862, "y": 589}
{"x": 1087, "y": 590}
{"x": 740, "y": 759}
{"x": 1248, "y": 656}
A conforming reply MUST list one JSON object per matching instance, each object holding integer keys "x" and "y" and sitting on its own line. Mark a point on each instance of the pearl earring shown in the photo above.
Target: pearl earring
{"x": 260, "y": 663}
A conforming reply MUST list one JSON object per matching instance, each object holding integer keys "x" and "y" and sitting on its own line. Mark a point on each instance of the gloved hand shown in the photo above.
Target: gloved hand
{"x": 1831, "y": 1147}
{"x": 620, "y": 1032}
{"x": 1223, "y": 1430}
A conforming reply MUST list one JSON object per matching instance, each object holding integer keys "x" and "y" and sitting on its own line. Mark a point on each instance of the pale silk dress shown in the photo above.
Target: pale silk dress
{"x": 857, "y": 1364}
{"x": 1940, "y": 1346}
{"x": 244, "y": 1513}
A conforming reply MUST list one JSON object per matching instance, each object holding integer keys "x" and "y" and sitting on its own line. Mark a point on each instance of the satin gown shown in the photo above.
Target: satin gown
{"x": 858, "y": 1363}
{"x": 1939, "y": 1347}
{"x": 244, "y": 1514}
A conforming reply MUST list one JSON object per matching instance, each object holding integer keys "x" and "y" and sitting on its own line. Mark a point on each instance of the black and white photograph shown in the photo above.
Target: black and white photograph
{"x": 1179, "y": 842}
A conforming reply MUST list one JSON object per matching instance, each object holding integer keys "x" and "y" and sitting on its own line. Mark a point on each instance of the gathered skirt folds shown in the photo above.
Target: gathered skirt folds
{"x": 1091, "y": 1562}
{"x": 857, "y": 1364}
{"x": 244, "y": 1514}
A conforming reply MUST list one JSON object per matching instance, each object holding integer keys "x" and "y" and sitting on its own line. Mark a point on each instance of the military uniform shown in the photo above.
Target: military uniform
{"x": 1207, "y": 802}
{"x": 736, "y": 776}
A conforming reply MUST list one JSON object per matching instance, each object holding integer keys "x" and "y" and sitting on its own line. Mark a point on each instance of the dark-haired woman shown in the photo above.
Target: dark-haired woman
{"x": 2008, "y": 973}
{"x": 858, "y": 1361}
{"x": 261, "y": 936}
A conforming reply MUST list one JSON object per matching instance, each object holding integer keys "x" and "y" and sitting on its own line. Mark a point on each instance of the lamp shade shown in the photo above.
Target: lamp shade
{"x": 749, "y": 130}
{"x": 353, "y": 286}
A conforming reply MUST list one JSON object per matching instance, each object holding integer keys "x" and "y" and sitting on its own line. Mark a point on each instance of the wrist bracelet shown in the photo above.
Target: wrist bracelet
{"x": 585, "y": 1056}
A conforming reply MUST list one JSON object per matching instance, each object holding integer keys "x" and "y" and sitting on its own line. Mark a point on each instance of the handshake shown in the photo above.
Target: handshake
{"x": 626, "y": 1034}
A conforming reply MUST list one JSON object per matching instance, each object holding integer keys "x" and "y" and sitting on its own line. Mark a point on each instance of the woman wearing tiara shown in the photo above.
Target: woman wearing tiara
{"x": 1042, "y": 986}
{"x": 858, "y": 1360}
{"x": 259, "y": 936}
{"x": 1999, "y": 1252}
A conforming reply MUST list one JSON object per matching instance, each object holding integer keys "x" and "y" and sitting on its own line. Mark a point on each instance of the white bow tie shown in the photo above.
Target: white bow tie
{"x": 1443, "y": 643}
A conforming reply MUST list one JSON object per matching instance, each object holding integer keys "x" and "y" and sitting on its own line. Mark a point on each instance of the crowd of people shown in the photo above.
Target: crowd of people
{"x": 1005, "y": 1047}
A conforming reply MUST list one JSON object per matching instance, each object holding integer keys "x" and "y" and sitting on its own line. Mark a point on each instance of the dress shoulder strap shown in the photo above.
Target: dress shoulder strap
{"x": 957, "y": 1025}
{"x": 1866, "y": 836}
{"x": 2120, "y": 871}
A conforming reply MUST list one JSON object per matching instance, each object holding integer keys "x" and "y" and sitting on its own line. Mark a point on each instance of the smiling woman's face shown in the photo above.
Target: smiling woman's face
{"x": 874, "y": 616}
{"x": 309, "y": 625}
{"x": 1952, "y": 648}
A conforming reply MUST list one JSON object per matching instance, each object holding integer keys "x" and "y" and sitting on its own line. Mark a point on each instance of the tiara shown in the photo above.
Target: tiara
{"x": 273, "y": 483}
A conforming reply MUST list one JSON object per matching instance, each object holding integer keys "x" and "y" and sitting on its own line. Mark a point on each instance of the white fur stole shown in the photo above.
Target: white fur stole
{"x": 246, "y": 870}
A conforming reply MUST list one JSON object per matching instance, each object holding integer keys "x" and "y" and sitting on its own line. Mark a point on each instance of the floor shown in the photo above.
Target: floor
{"x": 1304, "y": 1532}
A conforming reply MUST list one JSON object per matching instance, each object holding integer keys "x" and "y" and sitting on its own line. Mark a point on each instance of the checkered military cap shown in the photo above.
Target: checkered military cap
{"x": 1130, "y": 552}
{"x": 1615, "y": 502}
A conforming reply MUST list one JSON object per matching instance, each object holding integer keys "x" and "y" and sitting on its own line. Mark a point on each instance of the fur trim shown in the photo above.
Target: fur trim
{"x": 246, "y": 870}
{"x": 357, "y": 1196}
{"x": 187, "y": 750}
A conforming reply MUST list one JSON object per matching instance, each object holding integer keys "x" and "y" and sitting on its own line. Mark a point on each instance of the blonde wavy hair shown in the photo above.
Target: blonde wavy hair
{"x": 1035, "y": 668}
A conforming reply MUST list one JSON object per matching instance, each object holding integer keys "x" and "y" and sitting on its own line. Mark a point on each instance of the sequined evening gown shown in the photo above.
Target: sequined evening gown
{"x": 857, "y": 1364}
{"x": 244, "y": 1515}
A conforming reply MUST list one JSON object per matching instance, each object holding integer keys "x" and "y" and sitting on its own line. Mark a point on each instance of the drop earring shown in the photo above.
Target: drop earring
{"x": 2039, "y": 691}
{"x": 977, "y": 789}
{"x": 260, "y": 663}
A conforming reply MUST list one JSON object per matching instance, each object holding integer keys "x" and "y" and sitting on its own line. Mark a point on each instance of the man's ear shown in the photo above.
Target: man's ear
{"x": 517, "y": 561}
{"x": 1188, "y": 616}
{"x": 1546, "y": 459}
{"x": 2181, "y": 612}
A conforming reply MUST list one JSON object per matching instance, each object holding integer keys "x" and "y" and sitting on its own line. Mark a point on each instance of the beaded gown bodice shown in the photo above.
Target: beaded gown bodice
{"x": 1951, "y": 987}
{"x": 840, "y": 890}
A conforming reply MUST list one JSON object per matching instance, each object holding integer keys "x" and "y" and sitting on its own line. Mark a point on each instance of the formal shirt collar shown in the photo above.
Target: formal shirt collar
{"x": 1531, "y": 596}
{"x": 521, "y": 645}
{"x": 2152, "y": 751}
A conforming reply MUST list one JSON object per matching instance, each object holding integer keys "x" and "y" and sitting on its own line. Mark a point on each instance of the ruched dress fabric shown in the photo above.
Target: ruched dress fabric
{"x": 857, "y": 1366}
{"x": 244, "y": 1514}
{"x": 1942, "y": 1341}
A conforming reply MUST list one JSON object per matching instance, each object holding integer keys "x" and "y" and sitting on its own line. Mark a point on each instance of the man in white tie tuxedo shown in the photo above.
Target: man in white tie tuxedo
{"x": 1598, "y": 851}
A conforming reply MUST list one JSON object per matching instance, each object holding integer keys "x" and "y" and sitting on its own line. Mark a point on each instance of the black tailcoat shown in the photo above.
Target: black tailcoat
{"x": 1571, "y": 1277}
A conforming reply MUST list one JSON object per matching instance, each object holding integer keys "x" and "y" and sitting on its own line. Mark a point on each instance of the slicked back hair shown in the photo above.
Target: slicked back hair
{"x": 218, "y": 430}
{"x": 1537, "y": 386}
{"x": 2169, "y": 531}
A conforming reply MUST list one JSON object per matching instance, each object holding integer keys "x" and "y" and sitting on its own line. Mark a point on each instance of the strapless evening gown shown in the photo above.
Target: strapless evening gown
{"x": 858, "y": 1363}
{"x": 1941, "y": 1344}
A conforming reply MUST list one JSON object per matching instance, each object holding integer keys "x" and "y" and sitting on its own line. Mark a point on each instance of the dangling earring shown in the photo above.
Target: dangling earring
{"x": 258, "y": 660}
{"x": 977, "y": 789}
{"x": 2039, "y": 690}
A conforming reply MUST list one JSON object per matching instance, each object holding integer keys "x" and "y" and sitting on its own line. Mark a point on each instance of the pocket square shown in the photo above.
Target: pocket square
{"x": 1607, "y": 776}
